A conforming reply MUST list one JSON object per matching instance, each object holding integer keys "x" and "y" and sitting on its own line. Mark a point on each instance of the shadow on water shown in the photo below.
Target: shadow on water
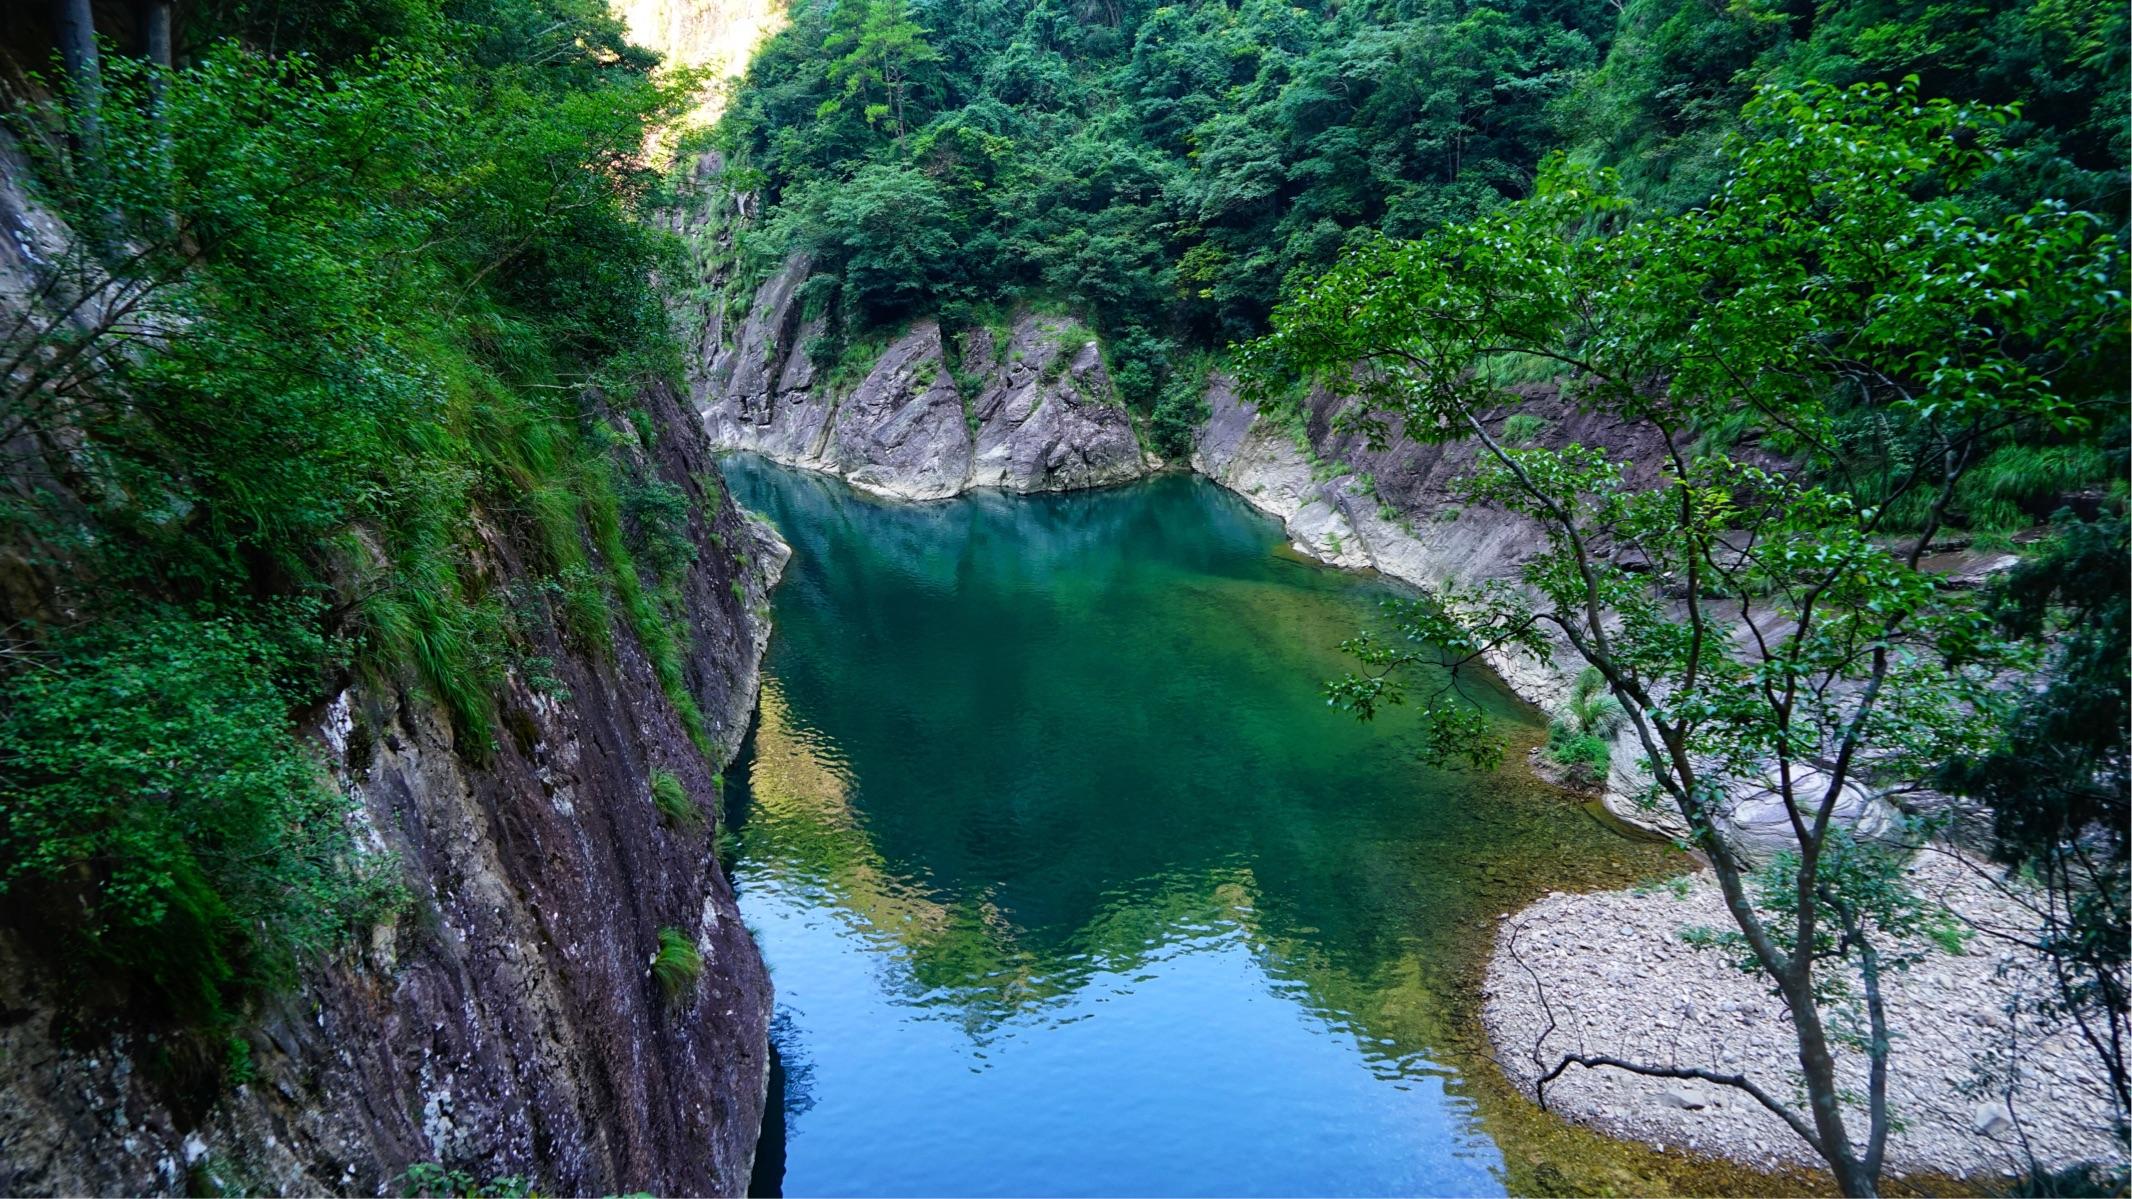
{"x": 1070, "y": 882}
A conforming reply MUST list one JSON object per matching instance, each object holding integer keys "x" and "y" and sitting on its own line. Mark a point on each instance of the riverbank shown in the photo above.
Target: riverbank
{"x": 1979, "y": 1080}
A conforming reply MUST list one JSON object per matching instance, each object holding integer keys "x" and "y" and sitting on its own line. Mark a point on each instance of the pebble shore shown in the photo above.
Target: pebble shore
{"x": 1612, "y": 973}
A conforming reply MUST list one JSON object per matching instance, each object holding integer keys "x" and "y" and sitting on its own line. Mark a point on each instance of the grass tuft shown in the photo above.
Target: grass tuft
{"x": 677, "y": 965}
{"x": 673, "y": 802}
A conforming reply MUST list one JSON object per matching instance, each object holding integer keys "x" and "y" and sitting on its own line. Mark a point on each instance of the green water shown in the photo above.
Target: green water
{"x": 1071, "y": 883}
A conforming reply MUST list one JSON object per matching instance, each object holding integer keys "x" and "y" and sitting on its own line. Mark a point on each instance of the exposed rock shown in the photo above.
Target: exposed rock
{"x": 1268, "y": 466}
{"x": 1047, "y": 418}
{"x": 901, "y": 432}
{"x": 1687, "y": 1099}
{"x": 1043, "y": 416}
{"x": 1552, "y": 988}
{"x": 507, "y": 1024}
{"x": 757, "y": 393}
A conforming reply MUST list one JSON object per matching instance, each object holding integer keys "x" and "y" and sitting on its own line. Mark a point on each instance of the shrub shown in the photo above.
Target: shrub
{"x": 1523, "y": 428}
{"x": 1587, "y": 756}
{"x": 659, "y": 512}
{"x": 1178, "y": 411}
{"x": 155, "y": 797}
{"x": 1580, "y": 738}
{"x": 1591, "y": 709}
{"x": 677, "y": 964}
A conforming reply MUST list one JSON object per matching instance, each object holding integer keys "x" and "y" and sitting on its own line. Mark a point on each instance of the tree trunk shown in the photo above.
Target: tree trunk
{"x": 156, "y": 46}
{"x": 75, "y": 28}
{"x": 1818, "y": 1067}
{"x": 155, "y": 32}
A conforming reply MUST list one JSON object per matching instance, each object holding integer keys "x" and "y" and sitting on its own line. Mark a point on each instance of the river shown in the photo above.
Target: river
{"x": 1070, "y": 881}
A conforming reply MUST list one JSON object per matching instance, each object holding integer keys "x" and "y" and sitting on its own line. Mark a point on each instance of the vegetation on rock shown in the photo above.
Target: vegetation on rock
{"x": 355, "y": 283}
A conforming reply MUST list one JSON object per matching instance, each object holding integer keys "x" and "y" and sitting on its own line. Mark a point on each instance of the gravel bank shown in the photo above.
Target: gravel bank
{"x": 1619, "y": 979}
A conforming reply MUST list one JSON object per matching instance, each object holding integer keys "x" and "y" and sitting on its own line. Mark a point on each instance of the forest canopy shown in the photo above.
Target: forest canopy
{"x": 1167, "y": 171}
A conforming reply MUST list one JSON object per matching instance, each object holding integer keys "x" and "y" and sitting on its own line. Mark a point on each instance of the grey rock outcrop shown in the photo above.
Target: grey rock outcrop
{"x": 901, "y": 431}
{"x": 1047, "y": 419}
{"x": 757, "y": 393}
{"x": 1040, "y": 415}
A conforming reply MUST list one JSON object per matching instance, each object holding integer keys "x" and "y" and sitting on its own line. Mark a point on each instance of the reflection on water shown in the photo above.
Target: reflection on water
{"x": 1071, "y": 883}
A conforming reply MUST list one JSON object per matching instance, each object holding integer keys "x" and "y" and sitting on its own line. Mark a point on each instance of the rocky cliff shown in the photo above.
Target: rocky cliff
{"x": 1026, "y": 408}
{"x": 506, "y": 1023}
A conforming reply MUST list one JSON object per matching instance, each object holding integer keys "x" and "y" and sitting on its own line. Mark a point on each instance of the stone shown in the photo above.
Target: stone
{"x": 1686, "y": 1098}
{"x": 1990, "y": 1118}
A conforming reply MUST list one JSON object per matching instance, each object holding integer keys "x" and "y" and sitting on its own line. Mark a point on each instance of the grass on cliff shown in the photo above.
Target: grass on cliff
{"x": 677, "y": 965}
{"x": 673, "y": 803}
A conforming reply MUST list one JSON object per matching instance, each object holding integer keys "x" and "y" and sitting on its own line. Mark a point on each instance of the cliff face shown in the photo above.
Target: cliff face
{"x": 1030, "y": 409}
{"x": 507, "y": 1023}
{"x": 716, "y": 35}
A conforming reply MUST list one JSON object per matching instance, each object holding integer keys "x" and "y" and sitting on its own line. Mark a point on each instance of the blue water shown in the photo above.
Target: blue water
{"x": 1071, "y": 883}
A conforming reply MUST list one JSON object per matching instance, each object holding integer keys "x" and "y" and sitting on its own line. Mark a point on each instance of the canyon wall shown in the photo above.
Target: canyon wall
{"x": 1028, "y": 407}
{"x": 506, "y": 1021}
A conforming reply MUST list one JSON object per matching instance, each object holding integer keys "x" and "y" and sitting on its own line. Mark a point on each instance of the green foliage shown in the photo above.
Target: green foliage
{"x": 1158, "y": 169}
{"x": 659, "y": 512}
{"x": 348, "y": 297}
{"x": 1522, "y": 428}
{"x": 1586, "y": 754}
{"x": 677, "y": 964}
{"x": 431, "y": 1180}
{"x": 1677, "y": 72}
{"x": 1764, "y": 633}
{"x": 2058, "y": 776}
{"x": 161, "y": 816}
{"x": 1580, "y": 737}
{"x": 673, "y": 801}
{"x": 1178, "y": 414}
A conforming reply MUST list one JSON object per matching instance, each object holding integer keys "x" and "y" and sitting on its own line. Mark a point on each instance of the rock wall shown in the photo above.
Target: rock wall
{"x": 717, "y": 35}
{"x": 1032, "y": 410}
{"x": 507, "y": 1023}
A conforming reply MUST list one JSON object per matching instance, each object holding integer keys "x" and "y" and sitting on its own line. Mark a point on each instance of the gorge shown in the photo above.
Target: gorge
{"x": 1014, "y": 597}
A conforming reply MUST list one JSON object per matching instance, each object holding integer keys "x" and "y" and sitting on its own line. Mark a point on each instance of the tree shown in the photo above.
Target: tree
{"x": 1768, "y": 632}
{"x": 2059, "y": 779}
{"x": 881, "y": 48}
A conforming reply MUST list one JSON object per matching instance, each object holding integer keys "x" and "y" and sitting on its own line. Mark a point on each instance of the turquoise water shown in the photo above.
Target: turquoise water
{"x": 1071, "y": 883}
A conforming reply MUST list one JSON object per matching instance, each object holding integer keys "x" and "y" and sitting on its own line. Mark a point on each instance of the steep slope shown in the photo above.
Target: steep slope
{"x": 1029, "y": 407}
{"x": 506, "y": 1022}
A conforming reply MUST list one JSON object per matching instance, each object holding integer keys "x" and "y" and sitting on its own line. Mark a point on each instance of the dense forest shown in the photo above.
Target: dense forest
{"x": 1851, "y": 271}
{"x": 1165, "y": 171}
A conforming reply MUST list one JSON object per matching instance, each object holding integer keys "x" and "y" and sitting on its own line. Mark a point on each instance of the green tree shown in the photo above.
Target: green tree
{"x": 351, "y": 297}
{"x": 2058, "y": 777}
{"x": 880, "y": 52}
{"x": 1766, "y": 633}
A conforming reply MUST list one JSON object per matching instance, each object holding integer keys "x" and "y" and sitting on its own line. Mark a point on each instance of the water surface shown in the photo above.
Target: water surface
{"x": 1071, "y": 883}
